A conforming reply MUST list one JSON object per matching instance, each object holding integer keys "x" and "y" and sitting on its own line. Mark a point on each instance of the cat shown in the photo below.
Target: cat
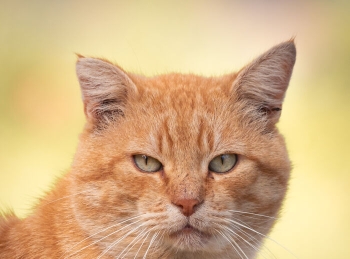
{"x": 170, "y": 166}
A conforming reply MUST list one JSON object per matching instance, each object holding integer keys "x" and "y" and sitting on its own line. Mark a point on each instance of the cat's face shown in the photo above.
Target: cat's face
{"x": 179, "y": 162}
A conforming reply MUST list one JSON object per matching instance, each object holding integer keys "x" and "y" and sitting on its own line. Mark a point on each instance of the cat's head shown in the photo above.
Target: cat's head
{"x": 182, "y": 162}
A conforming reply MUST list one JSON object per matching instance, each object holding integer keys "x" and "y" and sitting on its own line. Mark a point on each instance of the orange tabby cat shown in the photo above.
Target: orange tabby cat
{"x": 172, "y": 166}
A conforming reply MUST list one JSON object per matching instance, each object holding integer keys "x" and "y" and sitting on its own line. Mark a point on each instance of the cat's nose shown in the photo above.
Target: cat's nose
{"x": 187, "y": 206}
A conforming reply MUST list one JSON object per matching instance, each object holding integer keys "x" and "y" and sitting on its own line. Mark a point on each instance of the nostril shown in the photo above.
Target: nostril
{"x": 187, "y": 206}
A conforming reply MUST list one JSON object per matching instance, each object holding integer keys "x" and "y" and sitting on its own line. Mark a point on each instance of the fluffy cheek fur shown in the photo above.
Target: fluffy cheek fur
{"x": 110, "y": 196}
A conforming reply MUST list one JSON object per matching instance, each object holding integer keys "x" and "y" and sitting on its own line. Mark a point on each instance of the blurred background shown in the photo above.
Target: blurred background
{"x": 41, "y": 113}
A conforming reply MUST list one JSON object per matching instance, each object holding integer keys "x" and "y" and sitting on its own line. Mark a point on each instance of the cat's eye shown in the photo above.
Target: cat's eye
{"x": 223, "y": 163}
{"x": 147, "y": 163}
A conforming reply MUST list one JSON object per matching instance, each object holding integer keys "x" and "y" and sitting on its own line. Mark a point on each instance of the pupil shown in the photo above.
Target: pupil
{"x": 146, "y": 158}
{"x": 222, "y": 159}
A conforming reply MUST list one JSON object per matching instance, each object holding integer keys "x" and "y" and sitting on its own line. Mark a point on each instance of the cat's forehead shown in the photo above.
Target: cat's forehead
{"x": 183, "y": 112}
{"x": 187, "y": 101}
{"x": 184, "y": 93}
{"x": 191, "y": 85}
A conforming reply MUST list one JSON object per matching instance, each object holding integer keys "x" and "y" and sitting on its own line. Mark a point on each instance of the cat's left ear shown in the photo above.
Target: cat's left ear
{"x": 105, "y": 89}
{"x": 262, "y": 84}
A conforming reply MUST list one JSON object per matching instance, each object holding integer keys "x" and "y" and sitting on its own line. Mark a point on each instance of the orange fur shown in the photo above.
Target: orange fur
{"x": 106, "y": 207}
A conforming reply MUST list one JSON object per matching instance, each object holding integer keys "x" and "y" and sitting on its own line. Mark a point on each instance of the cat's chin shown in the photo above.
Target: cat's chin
{"x": 189, "y": 238}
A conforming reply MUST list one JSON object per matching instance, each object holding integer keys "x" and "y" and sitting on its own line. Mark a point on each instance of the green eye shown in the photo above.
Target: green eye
{"x": 223, "y": 163}
{"x": 147, "y": 163}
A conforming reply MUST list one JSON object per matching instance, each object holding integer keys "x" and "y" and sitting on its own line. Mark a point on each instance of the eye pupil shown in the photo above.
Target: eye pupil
{"x": 145, "y": 158}
{"x": 222, "y": 159}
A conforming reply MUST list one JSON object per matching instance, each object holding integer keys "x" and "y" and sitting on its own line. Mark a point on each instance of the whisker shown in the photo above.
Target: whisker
{"x": 132, "y": 244}
{"x": 118, "y": 241}
{"x": 119, "y": 223}
{"x": 159, "y": 239}
{"x": 65, "y": 197}
{"x": 251, "y": 225}
{"x": 102, "y": 237}
{"x": 254, "y": 214}
{"x": 150, "y": 244}
{"x": 257, "y": 232}
{"x": 224, "y": 236}
{"x": 242, "y": 238}
{"x": 259, "y": 244}
{"x": 142, "y": 244}
{"x": 262, "y": 220}
{"x": 236, "y": 242}
{"x": 218, "y": 241}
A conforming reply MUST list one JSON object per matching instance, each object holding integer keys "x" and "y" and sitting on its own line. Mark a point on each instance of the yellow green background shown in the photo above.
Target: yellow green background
{"x": 41, "y": 112}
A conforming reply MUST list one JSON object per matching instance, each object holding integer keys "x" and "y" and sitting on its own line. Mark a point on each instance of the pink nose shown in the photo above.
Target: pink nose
{"x": 186, "y": 205}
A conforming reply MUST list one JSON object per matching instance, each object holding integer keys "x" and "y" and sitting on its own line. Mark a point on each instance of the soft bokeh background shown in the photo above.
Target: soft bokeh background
{"x": 41, "y": 112}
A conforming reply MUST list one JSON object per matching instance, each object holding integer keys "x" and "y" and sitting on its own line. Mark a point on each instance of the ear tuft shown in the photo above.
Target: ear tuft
{"x": 105, "y": 88}
{"x": 79, "y": 55}
{"x": 262, "y": 84}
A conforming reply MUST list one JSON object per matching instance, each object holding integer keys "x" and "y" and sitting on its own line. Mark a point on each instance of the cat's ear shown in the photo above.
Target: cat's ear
{"x": 105, "y": 89}
{"x": 261, "y": 85}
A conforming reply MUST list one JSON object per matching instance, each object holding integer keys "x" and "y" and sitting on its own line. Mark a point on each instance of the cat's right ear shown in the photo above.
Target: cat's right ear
{"x": 105, "y": 88}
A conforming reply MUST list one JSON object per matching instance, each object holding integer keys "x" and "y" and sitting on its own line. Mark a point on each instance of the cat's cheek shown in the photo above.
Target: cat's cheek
{"x": 256, "y": 191}
{"x": 101, "y": 198}
{"x": 244, "y": 189}
{"x": 116, "y": 194}
{"x": 235, "y": 182}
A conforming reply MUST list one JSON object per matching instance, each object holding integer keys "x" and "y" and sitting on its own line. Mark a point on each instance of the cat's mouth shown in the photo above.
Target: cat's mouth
{"x": 188, "y": 229}
{"x": 189, "y": 238}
